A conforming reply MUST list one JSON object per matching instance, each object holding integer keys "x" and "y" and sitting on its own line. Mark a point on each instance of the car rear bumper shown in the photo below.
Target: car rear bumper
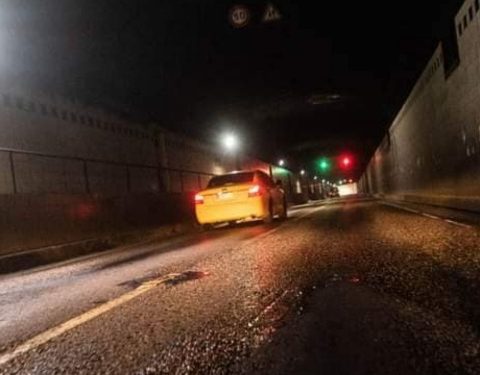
{"x": 211, "y": 214}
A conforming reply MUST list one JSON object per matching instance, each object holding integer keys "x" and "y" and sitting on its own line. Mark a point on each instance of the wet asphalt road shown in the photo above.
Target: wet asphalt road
{"x": 351, "y": 287}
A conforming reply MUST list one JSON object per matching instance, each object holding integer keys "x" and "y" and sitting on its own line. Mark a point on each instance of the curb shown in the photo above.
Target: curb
{"x": 34, "y": 258}
{"x": 468, "y": 204}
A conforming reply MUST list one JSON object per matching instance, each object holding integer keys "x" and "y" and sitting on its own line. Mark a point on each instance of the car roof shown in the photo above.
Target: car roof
{"x": 241, "y": 171}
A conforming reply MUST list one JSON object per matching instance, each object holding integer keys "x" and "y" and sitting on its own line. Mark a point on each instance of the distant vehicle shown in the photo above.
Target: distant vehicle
{"x": 334, "y": 193}
{"x": 240, "y": 196}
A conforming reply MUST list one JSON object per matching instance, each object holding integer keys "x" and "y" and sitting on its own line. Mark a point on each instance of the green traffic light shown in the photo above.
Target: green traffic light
{"x": 324, "y": 164}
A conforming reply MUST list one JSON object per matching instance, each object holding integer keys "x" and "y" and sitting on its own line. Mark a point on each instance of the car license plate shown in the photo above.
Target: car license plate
{"x": 224, "y": 196}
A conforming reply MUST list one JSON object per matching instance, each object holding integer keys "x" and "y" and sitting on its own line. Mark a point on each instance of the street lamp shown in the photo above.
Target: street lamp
{"x": 302, "y": 172}
{"x": 281, "y": 162}
{"x": 230, "y": 142}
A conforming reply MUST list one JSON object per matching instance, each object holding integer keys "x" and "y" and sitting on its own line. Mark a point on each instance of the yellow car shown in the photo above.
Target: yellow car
{"x": 240, "y": 196}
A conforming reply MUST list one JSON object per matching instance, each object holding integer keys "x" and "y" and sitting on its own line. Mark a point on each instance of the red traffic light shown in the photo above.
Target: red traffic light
{"x": 345, "y": 161}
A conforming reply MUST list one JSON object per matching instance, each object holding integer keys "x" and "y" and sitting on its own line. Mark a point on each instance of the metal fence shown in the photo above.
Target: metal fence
{"x": 34, "y": 172}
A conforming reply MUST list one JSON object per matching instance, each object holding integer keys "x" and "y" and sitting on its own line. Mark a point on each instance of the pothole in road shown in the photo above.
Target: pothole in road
{"x": 100, "y": 302}
{"x": 179, "y": 278}
{"x": 135, "y": 283}
{"x": 170, "y": 280}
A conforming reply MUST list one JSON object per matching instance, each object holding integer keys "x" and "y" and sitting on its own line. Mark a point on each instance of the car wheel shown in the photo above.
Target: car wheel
{"x": 207, "y": 227}
{"x": 269, "y": 218}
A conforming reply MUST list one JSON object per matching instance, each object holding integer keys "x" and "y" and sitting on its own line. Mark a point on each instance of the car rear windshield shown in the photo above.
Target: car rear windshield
{"x": 231, "y": 179}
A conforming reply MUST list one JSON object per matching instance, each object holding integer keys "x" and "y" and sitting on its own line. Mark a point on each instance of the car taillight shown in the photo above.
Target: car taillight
{"x": 255, "y": 191}
{"x": 199, "y": 199}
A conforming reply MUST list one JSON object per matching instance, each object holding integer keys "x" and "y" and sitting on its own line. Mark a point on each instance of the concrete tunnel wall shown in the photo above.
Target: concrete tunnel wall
{"x": 431, "y": 153}
{"x": 70, "y": 172}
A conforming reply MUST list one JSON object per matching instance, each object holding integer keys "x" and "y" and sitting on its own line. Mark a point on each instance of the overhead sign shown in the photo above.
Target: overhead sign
{"x": 239, "y": 16}
{"x": 271, "y": 13}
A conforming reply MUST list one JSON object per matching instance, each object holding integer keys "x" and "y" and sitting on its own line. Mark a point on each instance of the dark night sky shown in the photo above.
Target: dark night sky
{"x": 179, "y": 63}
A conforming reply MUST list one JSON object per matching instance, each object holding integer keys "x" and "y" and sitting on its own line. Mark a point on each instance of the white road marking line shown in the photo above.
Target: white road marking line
{"x": 401, "y": 207}
{"x": 308, "y": 213}
{"x": 58, "y": 330}
{"x": 457, "y": 223}
{"x": 430, "y": 216}
{"x": 273, "y": 230}
{"x": 54, "y": 332}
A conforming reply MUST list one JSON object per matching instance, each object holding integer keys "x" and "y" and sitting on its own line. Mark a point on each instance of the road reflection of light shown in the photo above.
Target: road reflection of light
{"x": 276, "y": 299}
{"x": 354, "y": 280}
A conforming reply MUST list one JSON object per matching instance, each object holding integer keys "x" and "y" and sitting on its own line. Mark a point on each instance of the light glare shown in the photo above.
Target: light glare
{"x": 230, "y": 142}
